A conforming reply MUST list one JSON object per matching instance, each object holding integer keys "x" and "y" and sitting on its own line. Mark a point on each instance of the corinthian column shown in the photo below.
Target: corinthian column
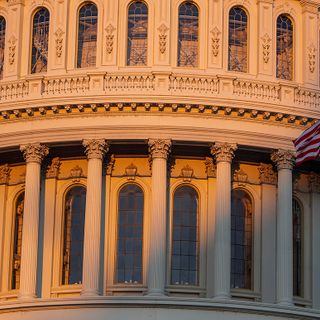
{"x": 284, "y": 159}
{"x": 95, "y": 150}
{"x": 159, "y": 150}
{"x": 223, "y": 153}
{"x": 33, "y": 154}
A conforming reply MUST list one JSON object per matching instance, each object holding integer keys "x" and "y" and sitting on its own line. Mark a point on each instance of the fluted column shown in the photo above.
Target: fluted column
{"x": 95, "y": 150}
{"x": 223, "y": 153}
{"x": 284, "y": 159}
{"x": 33, "y": 154}
{"x": 159, "y": 150}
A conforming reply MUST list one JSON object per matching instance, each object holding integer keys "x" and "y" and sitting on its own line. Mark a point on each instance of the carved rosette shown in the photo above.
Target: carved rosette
{"x": 223, "y": 152}
{"x": 284, "y": 159}
{"x": 267, "y": 174}
{"x": 96, "y": 148}
{"x": 34, "y": 152}
{"x": 5, "y": 174}
{"x": 53, "y": 168}
{"x": 314, "y": 182}
{"x": 211, "y": 168}
{"x": 159, "y": 148}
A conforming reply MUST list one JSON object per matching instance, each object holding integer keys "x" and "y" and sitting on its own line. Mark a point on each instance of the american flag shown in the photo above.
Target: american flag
{"x": 308, "y": 144}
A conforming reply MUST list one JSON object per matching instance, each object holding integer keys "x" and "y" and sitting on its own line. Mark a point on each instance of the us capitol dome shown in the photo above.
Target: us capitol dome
{"x": 147, "y": 169}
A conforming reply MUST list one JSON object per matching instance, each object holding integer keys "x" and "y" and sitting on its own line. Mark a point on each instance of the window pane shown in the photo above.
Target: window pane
{"x": 40, "y": 40}
{"x": 238, "y": 29}
{"x": 17, "y": 242}
{"x": 297, "y": 247}
{"x": 241, "y": 240}
{"x": 188, "y": 35}
{"x": 184, "y": 251}
{"x": 130, "y": 235}
{"x": 87, "y": 36}
{"x": 284, "y": 47}
{"x": 2, "y": 43}
{"x": 75, "y": 204}
{"x": 137, "y": 34}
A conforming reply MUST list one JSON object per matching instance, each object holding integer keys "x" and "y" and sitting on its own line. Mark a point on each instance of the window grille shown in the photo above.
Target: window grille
{"x": 40, "y": 41}
{"x": 2, "y": 43}
{"x": 238, "y": 38}
{"x": 137, "y": 34}
{"x": 188, "y": 35}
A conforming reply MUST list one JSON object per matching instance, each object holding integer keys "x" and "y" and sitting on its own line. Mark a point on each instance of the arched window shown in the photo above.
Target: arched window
{"x": 185, "y": 237}
{"x": 17, "y": 242}
{"x": 2, "y": 43}
{"x": 137, "y": 51}
{"x": 87, "y": 35}
{"x": 241, "y": 240}
{"x": 130, "y": 235}
{"x": 40, "y": 40}
{"x": 297, "y": 224}
{"x": 238, "y": 40}
{"x": 284, "y": 47}
{"x": 74, "y": 213}
{"x": 188, "y": 35}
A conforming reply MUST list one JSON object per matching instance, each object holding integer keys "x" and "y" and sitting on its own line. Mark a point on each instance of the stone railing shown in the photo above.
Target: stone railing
{"x": 129, "y": 82}
{"x": 14, "y": 90}
{"x": 307, "y": 98}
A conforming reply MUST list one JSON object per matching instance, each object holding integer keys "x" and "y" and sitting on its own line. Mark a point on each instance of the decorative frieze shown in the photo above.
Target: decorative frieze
{"x": 109, "y": 38}
{"x": 34, "y": 152}
{"x": 54, "y": 168}
{"x": 159, "y": 148}
{"x": 284, "y": 159}
{"x": 5, "y": 171}
{"x": 223, "y": 151}
{"x": 267, "y": 174}
{"x": 163, "y": 29}
{"x": 95, "y": 148}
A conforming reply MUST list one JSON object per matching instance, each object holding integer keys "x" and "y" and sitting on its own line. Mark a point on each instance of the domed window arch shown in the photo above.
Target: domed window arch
{"x": 137, "y": 47}
{"x": 130, "y": 235}
{"x": 17, "y": 242}
{"x": 185, "y": 237}
{"x": 87, "y": 35}
{"x": 188, "y": 35}
{"x": 2, "y": 43}
{"x": 241, "y": 239}
{"x": 297, "y": 226}
{"x": 284, "y": 47}
{"x": 40, "y": 41}
{"x": 73, "y": 236}
{"x": 238, "y": 40}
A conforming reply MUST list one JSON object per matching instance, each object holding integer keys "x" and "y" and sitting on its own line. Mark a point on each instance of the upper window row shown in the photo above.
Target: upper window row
{"x": 137, "y": 38}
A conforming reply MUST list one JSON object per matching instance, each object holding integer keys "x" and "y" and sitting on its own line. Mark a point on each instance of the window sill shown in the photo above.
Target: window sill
{"x": 180, "y": 290}
{"x": 66, "y": 291}
{"x": 244, "y": 294}
{"x": 302, "y": 302}
{"x": 9, "y": 295}
{"x": 126, "y": 289}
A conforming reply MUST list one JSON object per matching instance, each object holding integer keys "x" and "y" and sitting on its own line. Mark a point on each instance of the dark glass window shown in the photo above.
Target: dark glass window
{"x": 241, "y": 240}
{"x": 284, "y": 47}
{"x": 297, "y": 247}
{"x": 137, "y": 34}
{"x": 238, "y": 39}
{"x": 74, "y": 213}
{"x": 17, "y": 242}
{"x": 40, "y": 41}
{"x": 185, "y": 242}
{"x": 130, "y": 235}
{"x": 2, "y": 43}
{"x": 87, "y": 36}
{"x": 188, "y": 35}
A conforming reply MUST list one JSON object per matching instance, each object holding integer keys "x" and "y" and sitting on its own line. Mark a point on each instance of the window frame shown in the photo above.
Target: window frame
{"x": 5, "y": 45}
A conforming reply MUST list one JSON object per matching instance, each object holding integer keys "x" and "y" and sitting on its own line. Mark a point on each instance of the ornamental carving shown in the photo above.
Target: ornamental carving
{"x": 34, "y": 152}
{"x": 110, "y": 164}
{"x": 266, "y": 43}
{"x": 12, "y": 49}
{"x": 215, "y": 41}
{"x": 163, "y": 29}
{"x": 76, "y": 173}
{"x": 223, "y": 152}
{"x": 59, "y": 42}
{"x": 54, "y": 168}
{"x": 314, "y": 182}
{"x": 240, "y": 176}
{"x": 284, "y": 159}
{"x": 131, "y": 172}
{"x": 109, "y": 38}
{"x": 187, "y": 173}
{"x": 267, "y": 174}
{"x": 312, "y": 58}
{"x": 5, "y": 171}
{"x": 211, "y": 168}
{"x": 159, "y": 148}
{"x": 15, "y": 2}
{"x": 95, "y": 148}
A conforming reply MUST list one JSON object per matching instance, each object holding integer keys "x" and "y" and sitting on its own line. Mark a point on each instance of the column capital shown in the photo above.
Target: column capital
{"x": 284, "y": 159}
{"x": 5, "y": 171}
{"x": 159, "y": 148}
{"x": 96, "y": 148}
{"x": 34, "y": 152}
{"x": 223, "y": 151}
{"x": 267, "y": 174}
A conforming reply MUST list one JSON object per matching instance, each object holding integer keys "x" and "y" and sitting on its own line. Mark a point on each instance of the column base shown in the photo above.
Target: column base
{"x": 156, "y": 293}
{"x": 89, "y": 293}
{"x": 285, "y": 303}
{"x": 27, "y": 296}
{"x": 221, "y": 297}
